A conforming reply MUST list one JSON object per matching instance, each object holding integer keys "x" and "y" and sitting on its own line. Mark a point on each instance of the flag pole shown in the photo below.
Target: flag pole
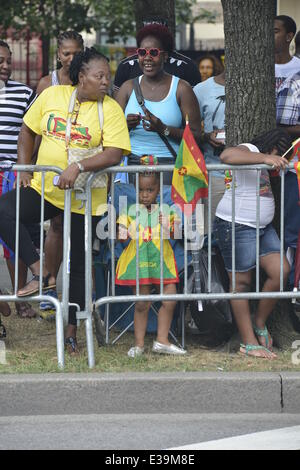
{"x": 291, "y": 147}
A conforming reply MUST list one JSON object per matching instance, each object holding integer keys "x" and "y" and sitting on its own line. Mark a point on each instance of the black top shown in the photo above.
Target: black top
{"x": 177, "y": 64}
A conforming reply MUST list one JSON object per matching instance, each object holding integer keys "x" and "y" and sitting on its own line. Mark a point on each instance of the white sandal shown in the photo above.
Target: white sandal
{"x": 135, "y": 351}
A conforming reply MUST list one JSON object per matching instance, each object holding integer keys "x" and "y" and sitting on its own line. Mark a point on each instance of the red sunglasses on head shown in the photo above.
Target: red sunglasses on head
{"x": 153, "y": 52}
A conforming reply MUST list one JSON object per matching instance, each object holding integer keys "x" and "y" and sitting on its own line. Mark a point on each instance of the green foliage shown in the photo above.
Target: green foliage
{"x": 49, "y": 17}
{"x": 114, "y": 17}
{"x": 184, "y": 13}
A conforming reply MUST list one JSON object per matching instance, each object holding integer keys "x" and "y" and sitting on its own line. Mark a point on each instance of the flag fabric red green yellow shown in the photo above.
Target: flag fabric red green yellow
{"x": 297, "y": 168}
{"x": 149, "y": 249}
{"x": 296, "y": 149}
{"x": 190, "y": 179}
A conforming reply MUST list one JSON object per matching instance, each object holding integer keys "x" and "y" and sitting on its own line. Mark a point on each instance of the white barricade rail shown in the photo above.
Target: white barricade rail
{"x": 86, "y": 314}
{"x": 185, "y": 296}
{"x": 60, "y": 307}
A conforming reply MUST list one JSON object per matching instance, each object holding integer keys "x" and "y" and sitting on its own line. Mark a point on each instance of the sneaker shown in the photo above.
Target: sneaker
{"x": 167, "y": 349}
{"x": 135, "y": 351}
{"x": 47, "y": 305}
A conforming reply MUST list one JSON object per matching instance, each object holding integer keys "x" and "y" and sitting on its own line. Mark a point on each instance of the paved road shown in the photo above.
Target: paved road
{"x": 145, "y": 411}
{"x": 137, "y": 431}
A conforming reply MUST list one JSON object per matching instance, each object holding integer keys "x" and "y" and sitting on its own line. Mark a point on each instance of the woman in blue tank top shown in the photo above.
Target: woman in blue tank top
{"x": 168, "y": 99}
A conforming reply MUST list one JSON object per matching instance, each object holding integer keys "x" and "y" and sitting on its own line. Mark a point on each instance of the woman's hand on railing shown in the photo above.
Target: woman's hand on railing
{"x": 275, "y": 161}
{"x": 68, "y": 177}
{"x": 25, "y": 179}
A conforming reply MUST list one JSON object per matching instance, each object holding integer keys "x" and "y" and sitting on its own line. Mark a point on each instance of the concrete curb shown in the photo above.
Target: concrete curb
{"x": 193, "y": 392}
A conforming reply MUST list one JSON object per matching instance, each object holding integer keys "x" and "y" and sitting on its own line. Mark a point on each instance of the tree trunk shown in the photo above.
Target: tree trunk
{"x": 192, "y": 37}
{"x": 250, "y": 82}
{"x": 251, "y": 105}
{"x": 145, "y": 9}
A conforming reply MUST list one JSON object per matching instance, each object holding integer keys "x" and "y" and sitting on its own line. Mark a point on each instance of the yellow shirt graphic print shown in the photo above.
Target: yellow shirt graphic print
{"x": 48, "y": 116}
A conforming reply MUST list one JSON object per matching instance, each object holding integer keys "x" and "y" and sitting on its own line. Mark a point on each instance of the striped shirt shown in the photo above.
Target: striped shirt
{"x": 15, "y": 99}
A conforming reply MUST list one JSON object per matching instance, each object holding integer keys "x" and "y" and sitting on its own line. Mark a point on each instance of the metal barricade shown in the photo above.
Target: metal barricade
{"x": 60, "y": 307}
{"x": 86, "y": 196}
{"x": 185, "y": 296}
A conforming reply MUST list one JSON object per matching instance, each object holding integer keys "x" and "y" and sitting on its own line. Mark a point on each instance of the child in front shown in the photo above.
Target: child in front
{"x": 151, "y": 220}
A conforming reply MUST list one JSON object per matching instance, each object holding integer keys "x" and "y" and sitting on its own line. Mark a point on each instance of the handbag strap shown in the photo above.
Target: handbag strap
{"x": 221, "y": 99}
{"x": 69, "y": 118}
{"x": 141, "y": 102}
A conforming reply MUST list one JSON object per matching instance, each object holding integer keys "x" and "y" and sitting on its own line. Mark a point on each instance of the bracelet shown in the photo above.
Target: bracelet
{"x": 80, "y": 166}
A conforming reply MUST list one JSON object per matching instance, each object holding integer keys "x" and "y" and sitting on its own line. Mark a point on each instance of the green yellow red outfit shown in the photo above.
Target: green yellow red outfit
{"x": 149, "y": 249}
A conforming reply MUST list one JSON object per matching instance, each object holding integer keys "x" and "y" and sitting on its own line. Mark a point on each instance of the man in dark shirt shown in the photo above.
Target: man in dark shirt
{"x": 177, "y": 64}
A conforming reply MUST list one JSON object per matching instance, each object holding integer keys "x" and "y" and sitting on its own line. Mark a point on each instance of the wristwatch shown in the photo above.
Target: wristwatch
{"x": 166, "y": 131}
{"x": 80, "y": 166}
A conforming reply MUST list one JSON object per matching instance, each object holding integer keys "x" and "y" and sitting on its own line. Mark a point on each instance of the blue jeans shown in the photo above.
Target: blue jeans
{"x": 245, "y": 244}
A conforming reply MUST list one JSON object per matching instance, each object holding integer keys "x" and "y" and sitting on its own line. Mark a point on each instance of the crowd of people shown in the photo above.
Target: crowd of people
{"x": 72, "y": 122}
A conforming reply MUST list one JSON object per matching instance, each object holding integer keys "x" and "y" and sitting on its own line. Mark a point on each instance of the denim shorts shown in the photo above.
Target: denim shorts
{"x": 245, "y": 244}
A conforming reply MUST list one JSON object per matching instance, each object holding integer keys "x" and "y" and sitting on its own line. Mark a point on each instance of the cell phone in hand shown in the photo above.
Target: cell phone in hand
{"x": 220, "y": 135}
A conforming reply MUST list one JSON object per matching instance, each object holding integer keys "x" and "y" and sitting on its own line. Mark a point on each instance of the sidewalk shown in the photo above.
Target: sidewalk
{"x": 193, "y": 392}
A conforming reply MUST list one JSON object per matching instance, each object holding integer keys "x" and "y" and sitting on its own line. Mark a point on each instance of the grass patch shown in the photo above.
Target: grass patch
{"x": 31, "y": 348}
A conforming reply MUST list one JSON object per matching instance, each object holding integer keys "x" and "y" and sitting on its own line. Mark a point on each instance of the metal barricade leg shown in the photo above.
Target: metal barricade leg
{"x": 66, "y": 256}
{"x": 88, "y": 279}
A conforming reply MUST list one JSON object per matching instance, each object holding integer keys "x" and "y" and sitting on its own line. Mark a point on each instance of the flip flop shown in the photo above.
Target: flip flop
{"x": 45, "y": 286}
{"x": 255, "y": 347}
{"x": 263, "y": 332}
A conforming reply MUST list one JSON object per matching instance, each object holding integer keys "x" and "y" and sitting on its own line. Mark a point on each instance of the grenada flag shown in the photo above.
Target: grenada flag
{"x": 190, "y": 179}
{"x": 296, "y": 149}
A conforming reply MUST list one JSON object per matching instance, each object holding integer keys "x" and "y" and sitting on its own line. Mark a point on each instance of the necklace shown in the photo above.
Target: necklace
{"x": 153, "y": 87}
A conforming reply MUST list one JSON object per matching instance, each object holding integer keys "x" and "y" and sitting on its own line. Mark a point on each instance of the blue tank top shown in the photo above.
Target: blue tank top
{"x": 149, "y": 143}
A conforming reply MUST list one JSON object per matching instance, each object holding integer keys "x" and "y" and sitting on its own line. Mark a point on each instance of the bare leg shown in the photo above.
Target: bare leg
{"x": 271, "y": 265}
{"x": 54, "y": 246}
{"x": 241, "y": 312}
{"x": 33, "y": 284}
{"x": 22, "y": 272}
{"x": 165, "y": 315}
{"x": 141, "y": 316}
{"x": 24, "y": 309}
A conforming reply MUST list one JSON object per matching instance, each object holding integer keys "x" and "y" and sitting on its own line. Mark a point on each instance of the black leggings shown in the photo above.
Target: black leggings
{"x": 30, "y": 207}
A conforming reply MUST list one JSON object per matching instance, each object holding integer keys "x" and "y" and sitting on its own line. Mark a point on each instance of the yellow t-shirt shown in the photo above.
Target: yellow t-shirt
{"x": 47, "y": 117}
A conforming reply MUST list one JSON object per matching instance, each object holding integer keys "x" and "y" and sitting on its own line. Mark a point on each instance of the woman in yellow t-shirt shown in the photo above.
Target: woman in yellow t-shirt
{"x": 47, "y": 117}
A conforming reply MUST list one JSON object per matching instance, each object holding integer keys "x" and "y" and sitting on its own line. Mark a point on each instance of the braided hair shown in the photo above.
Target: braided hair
{"x": 81, "y": 60}
{"x": 70, "y": 35}
{"x": 275, "y": 138}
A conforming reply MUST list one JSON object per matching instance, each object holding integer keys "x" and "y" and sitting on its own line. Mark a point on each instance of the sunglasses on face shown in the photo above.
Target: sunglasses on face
{"x": 153, "y": 52}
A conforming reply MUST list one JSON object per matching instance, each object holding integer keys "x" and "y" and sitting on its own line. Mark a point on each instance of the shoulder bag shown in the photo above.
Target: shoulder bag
{"x": 77, "y": 154}
{"x": 141, "y": 102}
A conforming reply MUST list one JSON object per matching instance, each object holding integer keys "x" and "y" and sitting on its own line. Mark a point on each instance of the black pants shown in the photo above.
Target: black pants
{"x": 30, "y": 207}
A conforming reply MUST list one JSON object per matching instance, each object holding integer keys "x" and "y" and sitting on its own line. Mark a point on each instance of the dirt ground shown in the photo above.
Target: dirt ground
{"x": 30, "y": 347}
